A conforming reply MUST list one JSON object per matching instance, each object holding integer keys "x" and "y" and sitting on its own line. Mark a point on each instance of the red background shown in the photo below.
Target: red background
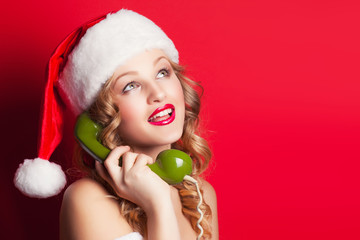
{"x": 281, "y": 105}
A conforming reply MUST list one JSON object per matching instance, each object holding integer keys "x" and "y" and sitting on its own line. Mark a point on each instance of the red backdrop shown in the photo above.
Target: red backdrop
{"x": 281, "y": 106}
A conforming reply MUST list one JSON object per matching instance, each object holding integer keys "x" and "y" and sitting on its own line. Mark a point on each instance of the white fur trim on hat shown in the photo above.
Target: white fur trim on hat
{"x": 39, "y": 178}
{"x": 105, "y": 47}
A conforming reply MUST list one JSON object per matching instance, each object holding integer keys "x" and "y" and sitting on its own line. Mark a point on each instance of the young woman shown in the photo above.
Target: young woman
{"x": 123, "y": 70}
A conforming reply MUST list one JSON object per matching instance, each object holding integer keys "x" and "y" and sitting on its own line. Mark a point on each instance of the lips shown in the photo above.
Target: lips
{"x": 163, "y": 115}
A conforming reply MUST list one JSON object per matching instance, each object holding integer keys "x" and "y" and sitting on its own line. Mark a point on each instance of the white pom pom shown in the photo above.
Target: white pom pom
{"x": 39, "y": 178}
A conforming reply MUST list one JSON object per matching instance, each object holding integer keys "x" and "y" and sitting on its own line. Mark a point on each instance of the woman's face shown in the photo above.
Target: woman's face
{"x": 150, "y": 101}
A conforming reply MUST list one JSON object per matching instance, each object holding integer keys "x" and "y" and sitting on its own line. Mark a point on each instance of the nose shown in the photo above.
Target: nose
{"x": 156, "y": 93}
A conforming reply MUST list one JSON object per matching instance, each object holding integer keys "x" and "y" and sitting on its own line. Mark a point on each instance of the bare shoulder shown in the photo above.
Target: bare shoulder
{"x": 208, "y": 191}
{"x": 84, "y": 189}
{"x": 211, "y": 199}
{"x": 89, "y": 212}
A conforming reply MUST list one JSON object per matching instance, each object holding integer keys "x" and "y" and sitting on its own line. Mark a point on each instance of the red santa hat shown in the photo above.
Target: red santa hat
{"x": 77, "y": 70}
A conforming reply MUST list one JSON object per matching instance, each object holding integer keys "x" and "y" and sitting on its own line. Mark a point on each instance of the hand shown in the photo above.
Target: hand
{"x": 134, "y": 181}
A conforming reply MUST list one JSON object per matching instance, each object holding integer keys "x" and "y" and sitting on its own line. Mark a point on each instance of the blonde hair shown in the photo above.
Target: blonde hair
{"x": 106, "y": 113}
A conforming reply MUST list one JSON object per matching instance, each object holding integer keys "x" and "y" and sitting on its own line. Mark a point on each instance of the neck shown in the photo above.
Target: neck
{"x": 151, "y": 151}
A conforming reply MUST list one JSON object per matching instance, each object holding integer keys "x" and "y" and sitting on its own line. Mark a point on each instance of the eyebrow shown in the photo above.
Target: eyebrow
{"x": 158, "y": 59}
{"x": 135, "y": 72}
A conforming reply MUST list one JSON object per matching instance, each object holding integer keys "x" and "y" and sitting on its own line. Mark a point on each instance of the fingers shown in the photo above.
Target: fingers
{"x": 131, "y": 163}
{"x": 134, "y": 180}
{"x": 102, "y": 171}
{"x": 112, "y": 161}
{"x": 128, "y": 161}
{"x": 142, "y": 160}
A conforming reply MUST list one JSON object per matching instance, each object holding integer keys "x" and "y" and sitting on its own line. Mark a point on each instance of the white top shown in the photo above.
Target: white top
{"x": 131, "y": 236}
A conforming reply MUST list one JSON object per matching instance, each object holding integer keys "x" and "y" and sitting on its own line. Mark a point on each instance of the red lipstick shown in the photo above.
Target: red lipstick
{"x": 163, "y": 115}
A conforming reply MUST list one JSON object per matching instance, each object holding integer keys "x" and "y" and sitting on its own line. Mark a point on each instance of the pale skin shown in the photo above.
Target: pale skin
{"x": 143, "y": 84}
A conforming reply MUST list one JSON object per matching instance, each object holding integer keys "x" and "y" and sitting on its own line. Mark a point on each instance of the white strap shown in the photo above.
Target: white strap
{"x": 131, "y": 236}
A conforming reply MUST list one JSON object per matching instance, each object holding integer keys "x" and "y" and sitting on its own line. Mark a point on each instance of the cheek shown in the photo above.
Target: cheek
{"x": 127, "y": 111}
{"x": 128, "y": 125}
{"x": 180, "y": 102}
{"x": 178, "y": 92}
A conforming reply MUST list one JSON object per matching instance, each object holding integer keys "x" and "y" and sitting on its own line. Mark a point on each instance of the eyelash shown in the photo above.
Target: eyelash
{"x": 127, "y": 85}
{"x": 166, "y": 70}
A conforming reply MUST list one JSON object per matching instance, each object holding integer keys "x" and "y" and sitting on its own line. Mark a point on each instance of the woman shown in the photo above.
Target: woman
{"x": 123, "y": 70}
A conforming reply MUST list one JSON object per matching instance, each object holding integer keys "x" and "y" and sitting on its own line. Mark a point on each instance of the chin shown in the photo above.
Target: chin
{"x": 161, "y": 139}
{"x": 170, "y": 139}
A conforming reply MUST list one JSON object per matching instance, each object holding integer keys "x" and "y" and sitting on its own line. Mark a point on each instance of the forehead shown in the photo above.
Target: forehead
{"x": 146, "y": 58}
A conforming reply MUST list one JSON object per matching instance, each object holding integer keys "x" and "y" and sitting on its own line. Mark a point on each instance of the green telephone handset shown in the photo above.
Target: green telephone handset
{"x": 171, "y": 165}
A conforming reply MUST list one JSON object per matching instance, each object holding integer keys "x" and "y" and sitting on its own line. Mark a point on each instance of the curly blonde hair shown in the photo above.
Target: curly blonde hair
{"x": 105, "y": 112}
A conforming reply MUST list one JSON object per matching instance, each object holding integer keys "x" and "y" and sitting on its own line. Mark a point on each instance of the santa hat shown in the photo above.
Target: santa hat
{"x": 77, "y": 70}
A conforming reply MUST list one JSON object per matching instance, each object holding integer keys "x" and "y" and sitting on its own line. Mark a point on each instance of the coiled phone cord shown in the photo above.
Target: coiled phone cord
{"x": 190, "y": 179}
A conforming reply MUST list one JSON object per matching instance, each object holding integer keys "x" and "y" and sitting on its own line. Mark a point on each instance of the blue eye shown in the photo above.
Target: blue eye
{"x": 162, "y": 73}
{"x": 130, "y": 86}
